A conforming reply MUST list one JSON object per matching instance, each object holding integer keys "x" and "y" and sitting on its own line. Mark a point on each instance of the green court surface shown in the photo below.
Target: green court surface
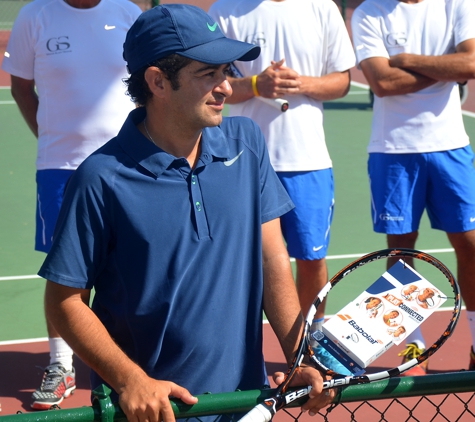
{"x": 347, "y": 126}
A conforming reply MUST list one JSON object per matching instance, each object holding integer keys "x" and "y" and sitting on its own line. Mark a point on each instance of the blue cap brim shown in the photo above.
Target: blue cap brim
{"x": 221, "y": 51}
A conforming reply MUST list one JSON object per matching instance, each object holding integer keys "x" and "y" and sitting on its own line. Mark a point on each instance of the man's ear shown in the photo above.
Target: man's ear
{"x": 156, "y": 81}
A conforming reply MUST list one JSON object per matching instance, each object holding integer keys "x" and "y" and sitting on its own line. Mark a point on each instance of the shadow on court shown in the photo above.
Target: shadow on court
{"x": 347, "y": 106}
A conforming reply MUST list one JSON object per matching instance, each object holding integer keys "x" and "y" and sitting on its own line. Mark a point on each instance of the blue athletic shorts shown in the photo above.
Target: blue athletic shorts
{"x": 50, "y": 185}
{"x": 404, "y": 185}
{"x": 306, "y": 228}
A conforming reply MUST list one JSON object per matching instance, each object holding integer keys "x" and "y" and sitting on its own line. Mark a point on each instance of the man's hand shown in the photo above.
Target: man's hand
{"x": 309, "y": 376}
{"x": 146, "y": 399}
{"x": 276, "y": 81}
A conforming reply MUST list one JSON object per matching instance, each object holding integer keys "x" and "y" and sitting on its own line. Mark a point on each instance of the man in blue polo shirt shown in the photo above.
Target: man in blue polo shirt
{"x": 175, "y": 224}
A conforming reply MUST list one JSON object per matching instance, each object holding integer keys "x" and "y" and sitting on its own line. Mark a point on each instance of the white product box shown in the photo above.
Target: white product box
{"x": 383, "y": 315}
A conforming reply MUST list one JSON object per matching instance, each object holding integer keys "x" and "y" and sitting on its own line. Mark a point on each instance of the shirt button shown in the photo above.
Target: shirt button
{"x": 193, "y": 180}
{"x": 198, "y": 206}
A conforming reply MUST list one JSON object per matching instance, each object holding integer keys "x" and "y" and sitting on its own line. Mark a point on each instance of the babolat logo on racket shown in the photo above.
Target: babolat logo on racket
{"x": 297, "y": 394}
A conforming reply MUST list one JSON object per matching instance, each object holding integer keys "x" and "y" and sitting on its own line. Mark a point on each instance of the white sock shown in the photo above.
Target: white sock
{"x": 417, "y": 338}
{"x": 59, "y": 351}
{"x": 317, "y": 324}
{"x": 471, "y": 325}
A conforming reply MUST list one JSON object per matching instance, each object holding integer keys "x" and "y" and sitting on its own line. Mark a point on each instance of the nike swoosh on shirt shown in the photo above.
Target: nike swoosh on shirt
{"x": 232, "y": 160}
{"x": 109, "y": 27}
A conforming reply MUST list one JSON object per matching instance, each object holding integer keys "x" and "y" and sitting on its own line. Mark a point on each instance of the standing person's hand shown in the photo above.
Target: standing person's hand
{"x": 307, "y": 376}
{"x": 277, "y": 80}
{"x": 145, "y": 399}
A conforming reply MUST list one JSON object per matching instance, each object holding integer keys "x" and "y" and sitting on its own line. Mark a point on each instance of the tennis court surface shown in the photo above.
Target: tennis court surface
{"x": 23, "y": 346}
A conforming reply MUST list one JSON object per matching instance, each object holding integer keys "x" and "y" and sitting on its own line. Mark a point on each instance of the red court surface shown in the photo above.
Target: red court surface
{"x": 21, "y": 364}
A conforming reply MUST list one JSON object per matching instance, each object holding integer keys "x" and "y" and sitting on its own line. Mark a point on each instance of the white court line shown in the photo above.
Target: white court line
{"x": 358, "y": 255}
{"x": 468, "y": 113}
{"x": 19, "y": 277}
{"x": 25, "y": 341}
{"x": 347, "y": 256}
{"x": 7, "y": 102}
{"x": 359, "y": 85}
{"x": 264, "y": 321}
{"x": 364, "y": 92}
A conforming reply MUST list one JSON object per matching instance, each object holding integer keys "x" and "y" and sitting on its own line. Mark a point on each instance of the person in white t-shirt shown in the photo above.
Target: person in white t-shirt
{"x": 413, "y": 54}
{"x": 66, "y": 67}
{"x": 306, "y": 54}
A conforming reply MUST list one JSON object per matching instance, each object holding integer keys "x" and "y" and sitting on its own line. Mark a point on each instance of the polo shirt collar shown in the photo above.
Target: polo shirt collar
{"x": 214, "y": 145}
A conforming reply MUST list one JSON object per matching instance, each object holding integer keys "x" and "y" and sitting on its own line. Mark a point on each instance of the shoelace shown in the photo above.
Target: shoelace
{"x": 411, "y": 351}
{"x": 52, "y": 378}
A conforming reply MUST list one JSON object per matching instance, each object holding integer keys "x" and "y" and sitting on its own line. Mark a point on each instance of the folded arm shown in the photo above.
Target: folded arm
{"x": 407, "y": 73}
{"x": 458, "y": 67}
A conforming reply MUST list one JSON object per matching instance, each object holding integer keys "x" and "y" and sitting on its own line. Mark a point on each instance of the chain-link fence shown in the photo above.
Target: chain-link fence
{"x": 442, "y": 397}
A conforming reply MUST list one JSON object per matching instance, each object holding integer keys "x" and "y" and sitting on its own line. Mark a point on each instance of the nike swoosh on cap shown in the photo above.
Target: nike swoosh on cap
{"x": 212, "y": 28}
{"x": 232, "y": 160}
{"x": 109, "y": 27}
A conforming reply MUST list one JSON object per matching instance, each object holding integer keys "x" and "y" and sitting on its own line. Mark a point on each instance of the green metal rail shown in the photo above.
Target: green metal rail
{"x": 103, "y": 410}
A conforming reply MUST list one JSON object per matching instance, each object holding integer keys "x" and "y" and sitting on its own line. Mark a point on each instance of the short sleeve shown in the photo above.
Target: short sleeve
{"x": 19, "y": 59}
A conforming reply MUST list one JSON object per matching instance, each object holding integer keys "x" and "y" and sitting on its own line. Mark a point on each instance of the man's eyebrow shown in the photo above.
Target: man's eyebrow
{"x": 206, "y": 67}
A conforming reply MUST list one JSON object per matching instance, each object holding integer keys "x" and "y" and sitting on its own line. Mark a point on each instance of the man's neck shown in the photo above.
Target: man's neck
{"x": 176, "y": 142}
{"x": 83, "y": 4}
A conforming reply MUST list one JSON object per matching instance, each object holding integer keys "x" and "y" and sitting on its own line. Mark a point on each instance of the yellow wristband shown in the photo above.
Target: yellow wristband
{"x": 254, "y": 85}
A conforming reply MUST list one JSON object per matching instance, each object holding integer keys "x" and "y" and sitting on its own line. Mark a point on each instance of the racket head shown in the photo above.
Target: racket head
{"x": 450, "y": 288}
{"x": 264, "y": 411}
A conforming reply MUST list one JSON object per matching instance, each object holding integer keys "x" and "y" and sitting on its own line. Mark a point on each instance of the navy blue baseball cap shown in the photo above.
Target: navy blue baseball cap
{"x": 185, "y": 30}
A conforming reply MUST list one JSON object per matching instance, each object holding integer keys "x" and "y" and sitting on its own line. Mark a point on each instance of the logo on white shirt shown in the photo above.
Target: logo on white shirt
{"x": 109, "y": 27}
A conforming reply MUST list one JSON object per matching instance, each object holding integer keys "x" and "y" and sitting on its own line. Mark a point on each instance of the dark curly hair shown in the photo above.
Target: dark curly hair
{"x": 137, "y": 88}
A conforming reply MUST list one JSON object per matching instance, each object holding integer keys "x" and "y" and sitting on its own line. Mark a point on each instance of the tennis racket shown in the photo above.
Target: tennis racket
{"x": 278, "y": 103}
{"x": 389, "y": 287}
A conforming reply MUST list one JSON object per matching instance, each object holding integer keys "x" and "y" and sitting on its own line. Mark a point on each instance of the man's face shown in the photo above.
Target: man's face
{"x": 428, "y": 293}
{"x": 399, "y": 332}
{"x": 373, "y": 302}
{"x": 199, "y": 101}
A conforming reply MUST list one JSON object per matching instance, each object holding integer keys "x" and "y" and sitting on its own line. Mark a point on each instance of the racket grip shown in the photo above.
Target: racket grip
{"x": 260, "y": 413}
{"x": 278, "y": 103}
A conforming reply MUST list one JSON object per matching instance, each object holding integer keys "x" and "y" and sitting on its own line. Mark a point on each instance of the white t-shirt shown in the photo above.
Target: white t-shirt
{"x": 75, "y": 58}
{"x": 312, "y": 37}
{"x": 431, "y": 119}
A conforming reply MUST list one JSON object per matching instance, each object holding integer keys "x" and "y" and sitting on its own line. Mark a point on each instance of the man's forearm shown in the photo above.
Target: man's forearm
{"x": 87, "y": 336}
{"x": 23, "y": 92}
{"x": 282, "y": 308}
{"x": 458, "y": 67}
{"x": 281, "y": 303}
{"x": 325, "y": 88}
{"x": 385, "y": 80}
